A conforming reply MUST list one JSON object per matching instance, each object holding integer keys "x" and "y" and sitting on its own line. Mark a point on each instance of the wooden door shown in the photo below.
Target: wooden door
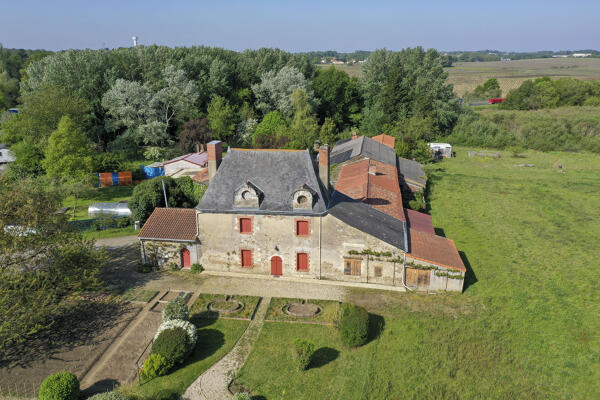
{"x": 276, "y": 268}
{"x": 185, "y": 258}
{"x": 412, "y": 276}
{"x": 423, "y": 280}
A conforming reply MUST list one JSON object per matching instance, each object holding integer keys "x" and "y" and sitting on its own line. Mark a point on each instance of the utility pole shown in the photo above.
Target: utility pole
{"x": 165, "y": 193}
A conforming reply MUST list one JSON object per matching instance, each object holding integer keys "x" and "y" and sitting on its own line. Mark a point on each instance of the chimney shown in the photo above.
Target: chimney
{"x": 354, "y": 135}
{"x": 215, "y": 150}
{"x": 372, "y": 169}
{"x": 324, "y": 166}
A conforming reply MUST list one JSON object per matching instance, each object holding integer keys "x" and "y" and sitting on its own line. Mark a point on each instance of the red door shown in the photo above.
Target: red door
{"x": 276, "y": 269}
{"x": 185, "y": 258}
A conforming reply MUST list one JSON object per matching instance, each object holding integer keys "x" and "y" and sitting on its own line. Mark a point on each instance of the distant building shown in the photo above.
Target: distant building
{"x": 581, "y": 55}
{"x": 6, "y": 157}
{"x": 186, "y": 165}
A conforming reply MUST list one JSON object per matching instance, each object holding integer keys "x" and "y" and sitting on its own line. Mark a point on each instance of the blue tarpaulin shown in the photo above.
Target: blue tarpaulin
{"x": 152, "y": 171}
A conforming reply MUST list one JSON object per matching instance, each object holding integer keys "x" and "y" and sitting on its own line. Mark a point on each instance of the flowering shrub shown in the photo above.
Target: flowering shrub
{"x": 176, "y": 309}
{"x": 177, "y": 323}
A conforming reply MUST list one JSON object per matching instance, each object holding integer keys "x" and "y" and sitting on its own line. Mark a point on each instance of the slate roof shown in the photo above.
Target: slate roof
{"x": 365, "y": 147}
{"x": 369, "y": 220}
{"x": 434, "y": 249}
{"x": 411, "y": 171}
{"x": 177, "y": 224}
{"x": 277, "y": 173}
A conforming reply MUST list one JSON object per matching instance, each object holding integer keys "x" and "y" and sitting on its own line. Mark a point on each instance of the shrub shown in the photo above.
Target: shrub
{"x": 173, "y": 344}
{"x": 189, "y": 328}
{"x": 354, "y": 325}
{"x": 144, "y": 268}
{"x": 176, "y": 309}
{"x": 123, "y": 222}
{"x": 303, "y": 351}
{"x": 108, "y": 396}
{"x": 197, "y": 268}
{"x": 59, "y": 386}
{"x": 155, "y": 365}
{"x": 516, "y": 151}
{"x": 241, "y": 396}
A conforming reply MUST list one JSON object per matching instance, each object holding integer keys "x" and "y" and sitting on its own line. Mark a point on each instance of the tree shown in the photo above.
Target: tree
{"x": 271, "y": 132}
{"x": 68, "y": 155}
{"x": 490, "y": 89}
{"x": 328, "y": 134}
{"x": 177, "y": 98}
{"x": 304, "y": 128}
{"x": 339, "y": 97}
{"x": 274, "y": 92}
{"x": 409, "y": 83}
{"x": 9, "y": 89}
{"x": 42, "y": 260}
{"x": 222, "y": 118}
{"x": 194, "y": 133}
{"x": 149, "y": 194}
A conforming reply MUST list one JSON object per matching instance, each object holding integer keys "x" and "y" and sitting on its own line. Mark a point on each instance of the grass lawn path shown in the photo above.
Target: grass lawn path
{"x": 213, "y": 384}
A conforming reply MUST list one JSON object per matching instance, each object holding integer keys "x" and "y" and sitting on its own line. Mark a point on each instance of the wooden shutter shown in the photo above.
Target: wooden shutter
{"x": 245, "y": 225}
{"x": 352, "y": 266}
{"x": 378, "y": 271}
{"x": 302, "y": 261}
{"x": 412, "y": 276}
{"x": 302, "y": 228}
{"x": 246, "y": 258}
{"x": 423, "y": 280}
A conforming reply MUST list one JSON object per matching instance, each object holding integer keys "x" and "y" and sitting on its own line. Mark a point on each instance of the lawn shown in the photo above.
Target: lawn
{"x": 215, "y": 338}
{"x": 327, "y": 315}
{"x": 527, "y": 323}
{"x": 200, "y": 307}
{"x": 107, "y": 194}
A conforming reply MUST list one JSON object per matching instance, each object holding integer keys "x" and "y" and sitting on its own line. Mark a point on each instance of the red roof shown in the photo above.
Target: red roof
{"x": 385, "y": 139}
{"x": 435, "y": 249}
{"x": 374, "y": 183}
{"x": 194, "y": 158}
{"x": 170, "y": 224}
{"x": 419, "y": 221}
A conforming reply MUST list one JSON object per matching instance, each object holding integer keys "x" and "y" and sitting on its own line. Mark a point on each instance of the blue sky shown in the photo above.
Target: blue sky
{"x": 303, "y": 25}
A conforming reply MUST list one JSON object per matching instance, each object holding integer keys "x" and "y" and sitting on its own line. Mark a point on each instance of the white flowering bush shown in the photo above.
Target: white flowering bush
{"x": 187, "y": 326}
{"x": 176, "y": 309}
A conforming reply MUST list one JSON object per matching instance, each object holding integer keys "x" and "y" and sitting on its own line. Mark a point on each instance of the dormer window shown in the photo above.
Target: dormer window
{"x": 304, "y": 198}
{"x": 247, "y": 196}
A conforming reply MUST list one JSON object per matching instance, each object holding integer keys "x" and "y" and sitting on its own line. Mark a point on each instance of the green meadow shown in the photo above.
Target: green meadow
{"x": 527, "y": 325}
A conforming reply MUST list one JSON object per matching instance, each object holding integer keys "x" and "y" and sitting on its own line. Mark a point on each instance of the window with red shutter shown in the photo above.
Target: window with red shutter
{"x": 302, "y": 261}
{"x": 246, "y": 258}
{"x": 245, "y": 225}
{"x": 302, "y": 228}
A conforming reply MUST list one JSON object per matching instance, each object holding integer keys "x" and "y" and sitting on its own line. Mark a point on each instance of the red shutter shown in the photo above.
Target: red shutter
{"x": 246, "y": 258}
{"x": 302, "y": 261}
{"x": 245, "y": 225}
{"x": 302, "y": 228}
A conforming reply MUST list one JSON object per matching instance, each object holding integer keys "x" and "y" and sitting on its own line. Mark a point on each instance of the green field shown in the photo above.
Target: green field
{"x": 95, "y": 195}
{"x": 465, "y": 76}
{"x": 527, "y": 325}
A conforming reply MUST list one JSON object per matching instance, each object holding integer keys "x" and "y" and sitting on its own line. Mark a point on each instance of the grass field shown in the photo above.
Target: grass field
{"x": 465, "y": 76}
{"x": 527, "y": 325}
{"x": 107, "y": 194}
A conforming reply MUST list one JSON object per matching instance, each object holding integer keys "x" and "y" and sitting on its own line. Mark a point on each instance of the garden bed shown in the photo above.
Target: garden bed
{"x": 299, "y": 310}
{"x": 139, "y": 295}
{"x": 224, "y": 306}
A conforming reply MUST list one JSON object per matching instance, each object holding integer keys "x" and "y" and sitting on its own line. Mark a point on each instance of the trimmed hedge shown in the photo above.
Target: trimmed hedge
{"x": 173, "y": 344}
{"x": 303, "y": 351}
{"x": 176, "y": 309}
{"x": 354, "y": 325}
{"x": 155, "y": 365}
{"x": 108, "y": 396}
{"x": 59, "y": 386}
{"x": 190, "y": 328}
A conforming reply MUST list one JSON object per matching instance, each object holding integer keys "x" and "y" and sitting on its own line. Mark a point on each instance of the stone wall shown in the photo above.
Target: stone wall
{"x": 165, "y": 253}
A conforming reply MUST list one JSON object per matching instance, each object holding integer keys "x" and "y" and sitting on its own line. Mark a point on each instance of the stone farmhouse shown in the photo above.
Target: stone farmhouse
{"x": 277, "y": 213}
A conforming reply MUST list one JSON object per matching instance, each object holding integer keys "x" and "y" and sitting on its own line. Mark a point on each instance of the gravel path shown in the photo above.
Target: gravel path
{"x": 213, "y": 383}
{"x": 117, "y": 241}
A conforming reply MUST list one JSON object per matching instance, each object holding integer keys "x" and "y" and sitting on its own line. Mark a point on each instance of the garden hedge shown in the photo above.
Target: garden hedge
{"x": 176, "y": 309}
{"x": 59, "y": 386}
{"x": 354, "y": 325}
{"x": 173, "y": 344}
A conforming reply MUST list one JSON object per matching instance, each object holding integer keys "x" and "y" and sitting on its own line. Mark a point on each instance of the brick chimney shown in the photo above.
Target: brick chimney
{"x": 354, "y": 135}
{"x": 324, "y": 166}
{"x": 215, "y": 153}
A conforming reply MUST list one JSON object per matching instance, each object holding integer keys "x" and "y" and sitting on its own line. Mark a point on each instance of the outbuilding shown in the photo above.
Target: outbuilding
{"x": 441, "y": 150}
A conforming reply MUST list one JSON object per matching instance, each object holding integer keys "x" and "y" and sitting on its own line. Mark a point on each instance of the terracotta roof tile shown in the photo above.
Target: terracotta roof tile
{"x": 434, "y": 249}
{"x": 385, "y": 139}
{"x": 170, "y": 224}
{"x": 379, "y": 188}
{"x": 419, "y": 221}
